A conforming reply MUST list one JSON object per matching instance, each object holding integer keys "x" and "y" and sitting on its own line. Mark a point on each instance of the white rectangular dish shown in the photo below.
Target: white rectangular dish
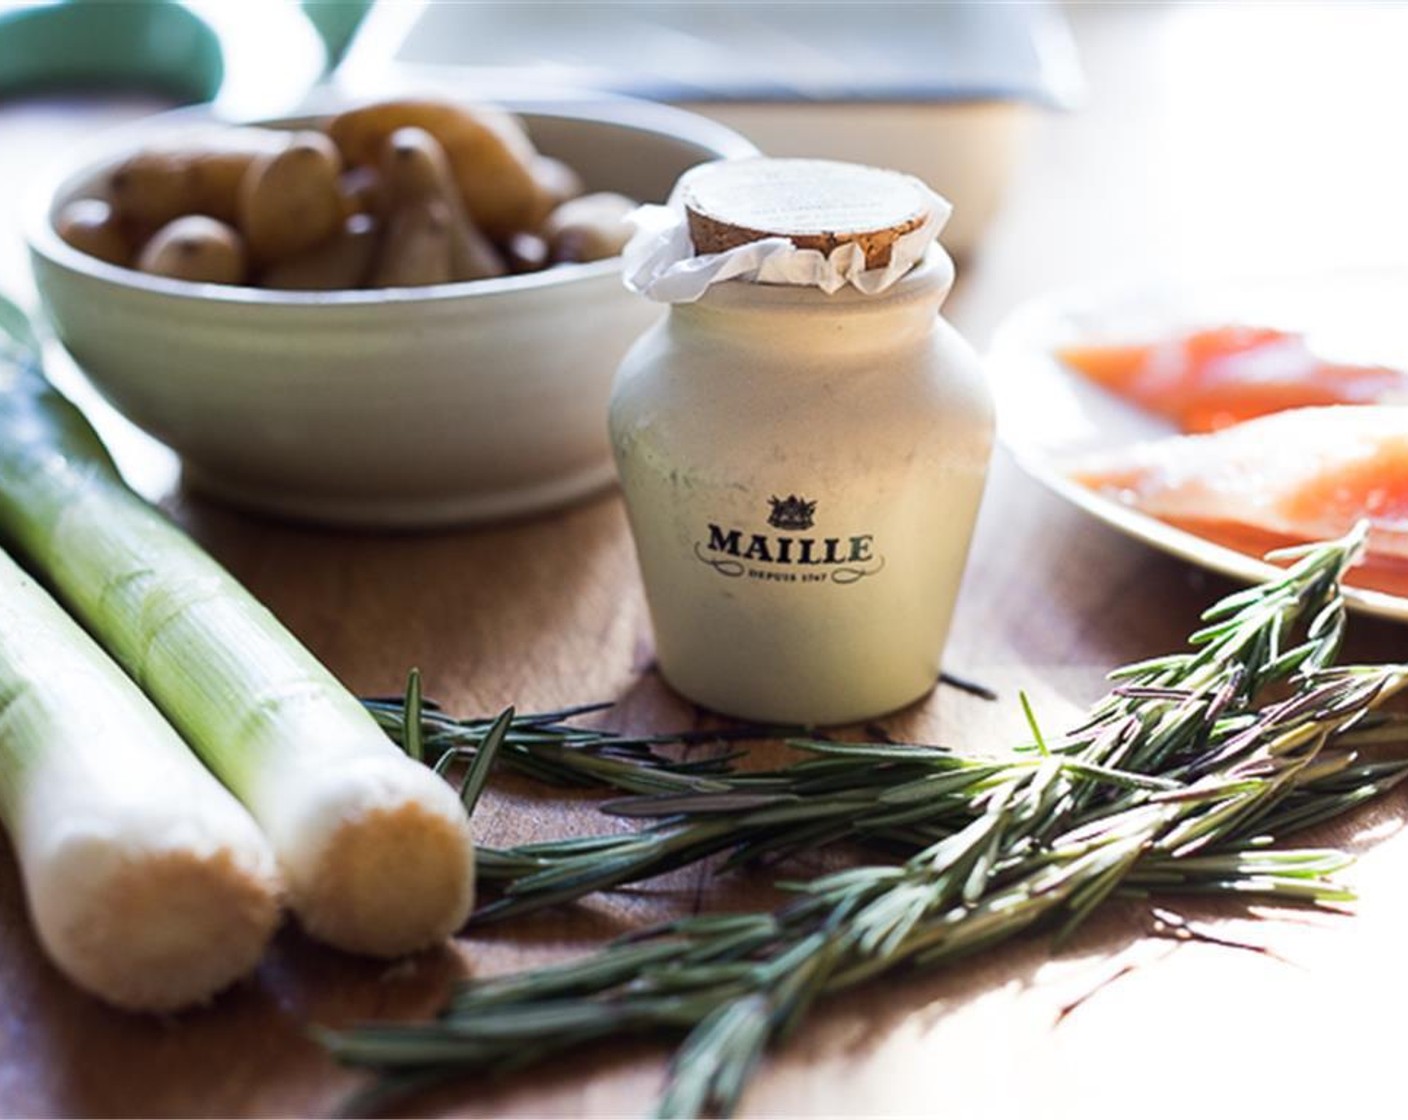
{"x": 946, "y": 92}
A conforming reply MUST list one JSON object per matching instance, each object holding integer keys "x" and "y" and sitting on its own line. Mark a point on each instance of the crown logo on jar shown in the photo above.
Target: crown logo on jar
{"x": 791, "y": 512}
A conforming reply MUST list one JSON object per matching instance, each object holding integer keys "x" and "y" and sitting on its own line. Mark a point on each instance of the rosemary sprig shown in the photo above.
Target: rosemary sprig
{"x": 545, "y": 747}
{"x": 1178, "y": 780}
{"x": 840, "y": 794}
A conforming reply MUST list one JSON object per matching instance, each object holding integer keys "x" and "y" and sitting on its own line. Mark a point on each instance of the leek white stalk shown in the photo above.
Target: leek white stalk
{"x": 375, "y": 849}
{"x": 149, "y": 885}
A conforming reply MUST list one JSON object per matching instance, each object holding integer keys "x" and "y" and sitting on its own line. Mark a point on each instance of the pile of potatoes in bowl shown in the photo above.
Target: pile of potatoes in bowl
{"x": 393, "y": 194}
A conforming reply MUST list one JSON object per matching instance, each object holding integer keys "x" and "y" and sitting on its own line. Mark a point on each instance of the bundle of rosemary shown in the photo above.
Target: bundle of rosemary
{"x": 1179, "y": 780}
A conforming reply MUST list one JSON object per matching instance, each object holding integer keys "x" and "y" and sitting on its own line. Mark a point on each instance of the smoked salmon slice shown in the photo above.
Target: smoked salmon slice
{"x": 1213, "y": 378}
{"x": 1302, "y": 475}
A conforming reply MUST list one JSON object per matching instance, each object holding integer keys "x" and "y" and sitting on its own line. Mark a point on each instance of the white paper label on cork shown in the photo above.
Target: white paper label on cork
{"x": 816, "y": 223}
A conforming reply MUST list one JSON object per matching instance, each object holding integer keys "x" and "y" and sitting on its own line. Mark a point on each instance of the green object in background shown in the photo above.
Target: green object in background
{"x": 336, "y": 22}
{"x": 150, "y": 44}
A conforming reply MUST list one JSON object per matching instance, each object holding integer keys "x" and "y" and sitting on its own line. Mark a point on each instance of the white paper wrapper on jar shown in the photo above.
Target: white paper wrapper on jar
{"x": 661, "y": 261}
{"x": 802, "y": 442}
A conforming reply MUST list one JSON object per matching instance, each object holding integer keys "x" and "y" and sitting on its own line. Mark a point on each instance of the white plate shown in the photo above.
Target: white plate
{"x": 1047, "y": 414}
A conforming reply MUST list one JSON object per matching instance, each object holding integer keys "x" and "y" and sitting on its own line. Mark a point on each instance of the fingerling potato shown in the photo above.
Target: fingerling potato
{"x": 340, "y": 263}
{"x": 526, "y": 252}
{"x": 590, "y": 228}
{"x": 490, "y": 155}
{"x": 291, "y": 201}
{"x": 196, "y": 173}
{"x": 416, "y": 173}
{"x": 196, "y": 247}
{"x": 416, "y": 249}
{"x": 90, "y": 226}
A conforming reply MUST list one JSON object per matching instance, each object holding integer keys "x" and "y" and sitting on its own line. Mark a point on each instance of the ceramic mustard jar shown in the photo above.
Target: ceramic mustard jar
{"x": 802, "y": 442}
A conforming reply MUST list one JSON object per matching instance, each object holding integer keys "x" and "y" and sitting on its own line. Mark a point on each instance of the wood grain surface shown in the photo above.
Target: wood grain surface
{"x": 1275, "y": 1014}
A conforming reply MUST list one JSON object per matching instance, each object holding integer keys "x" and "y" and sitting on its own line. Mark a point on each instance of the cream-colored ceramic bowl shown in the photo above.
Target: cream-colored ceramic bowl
{"x": 393, "y": 407}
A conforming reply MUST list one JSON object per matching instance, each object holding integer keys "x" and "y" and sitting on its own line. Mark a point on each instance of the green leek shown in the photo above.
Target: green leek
{"x": 375, "y": 849}
{"x": 148, "y": 884}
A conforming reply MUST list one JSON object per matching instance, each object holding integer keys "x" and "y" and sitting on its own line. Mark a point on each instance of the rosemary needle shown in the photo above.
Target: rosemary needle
{"x": 1178, "y": 780}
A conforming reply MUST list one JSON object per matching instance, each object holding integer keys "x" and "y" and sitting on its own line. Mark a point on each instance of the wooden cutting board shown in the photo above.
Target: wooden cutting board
{"x": 1286, "y": 1017}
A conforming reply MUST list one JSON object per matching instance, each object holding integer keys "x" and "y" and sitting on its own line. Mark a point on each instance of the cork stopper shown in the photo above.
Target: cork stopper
{"x": 815, "y": 203}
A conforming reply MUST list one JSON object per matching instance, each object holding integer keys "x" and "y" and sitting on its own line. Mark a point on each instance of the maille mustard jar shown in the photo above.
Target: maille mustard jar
{"x": 802, "y": 441}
